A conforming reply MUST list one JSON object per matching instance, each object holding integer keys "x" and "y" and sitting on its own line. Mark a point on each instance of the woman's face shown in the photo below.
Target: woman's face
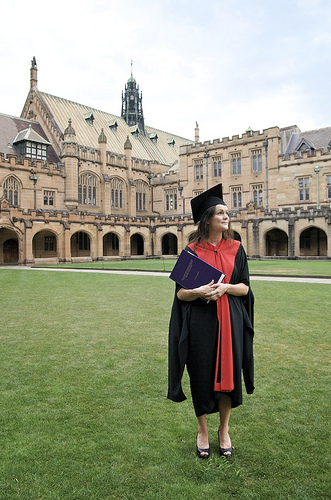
{"x": 219, "y": 222}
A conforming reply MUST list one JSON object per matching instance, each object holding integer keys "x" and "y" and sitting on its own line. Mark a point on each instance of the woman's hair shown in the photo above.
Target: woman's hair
{"x": 202, "y": 232}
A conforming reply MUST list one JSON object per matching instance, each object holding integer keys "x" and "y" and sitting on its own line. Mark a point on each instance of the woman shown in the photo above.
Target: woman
{"x": 213, "y": 337}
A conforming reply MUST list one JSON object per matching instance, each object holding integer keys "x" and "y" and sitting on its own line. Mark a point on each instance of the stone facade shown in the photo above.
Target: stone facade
{"x": 108, "y": 189}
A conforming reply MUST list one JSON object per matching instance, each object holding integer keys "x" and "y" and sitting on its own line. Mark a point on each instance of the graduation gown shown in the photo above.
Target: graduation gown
{"x": 214, "y": 340}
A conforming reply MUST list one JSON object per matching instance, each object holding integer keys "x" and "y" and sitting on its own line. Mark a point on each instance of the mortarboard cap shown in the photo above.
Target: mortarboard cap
{"x": 209, "y": 198}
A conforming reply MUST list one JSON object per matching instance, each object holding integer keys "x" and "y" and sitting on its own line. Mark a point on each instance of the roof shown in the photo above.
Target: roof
{"x": 13, "y": 129}
{"x": 29, "y": 134}
{"x": 88, "y": 123}
{"x": 314, "y": 139}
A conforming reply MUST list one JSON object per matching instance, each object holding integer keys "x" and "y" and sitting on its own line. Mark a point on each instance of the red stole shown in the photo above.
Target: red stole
{"x": 221, "y": 256}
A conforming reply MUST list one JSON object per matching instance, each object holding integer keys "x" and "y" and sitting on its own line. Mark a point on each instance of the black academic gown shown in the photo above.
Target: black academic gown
{"x": 193, "y": 332}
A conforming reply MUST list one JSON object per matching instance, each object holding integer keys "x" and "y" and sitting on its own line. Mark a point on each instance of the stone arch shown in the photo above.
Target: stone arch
{"x": 111, "y": 244}
{"x": 313, "y": 242}
{"x": 236, "y": 236}
{"x": 169, "y": 244}
{"x": 276, "y": 243}
{"x": 9, "y": 246}
{"x": 137, "y": 244}
{"x": 80, "y": 244}
{"x": 44, "y": 244}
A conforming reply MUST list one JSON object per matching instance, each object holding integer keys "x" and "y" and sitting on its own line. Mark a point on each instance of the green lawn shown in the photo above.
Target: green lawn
{"x": 84, "y": 414}
{"x": 258, "y": 267}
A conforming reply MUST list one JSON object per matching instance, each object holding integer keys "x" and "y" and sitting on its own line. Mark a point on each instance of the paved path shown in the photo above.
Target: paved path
{"x": 325, "y": 281}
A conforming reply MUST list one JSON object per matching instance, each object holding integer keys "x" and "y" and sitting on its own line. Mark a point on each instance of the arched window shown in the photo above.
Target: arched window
{"x": 236, "y": 197}
{"x": 11, "y": 190}
{"x": 116, "y": 193}
{"x": 257, "y": 160}
{"x": 87, "y": 189}
{"x": 141, "y": 189}
{"x": 171, "y": 200}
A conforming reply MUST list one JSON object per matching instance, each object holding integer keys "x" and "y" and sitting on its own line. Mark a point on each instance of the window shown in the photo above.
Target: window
{"x": 33, "y": 150}
{"x": 257, "y": 160}
{"x": 82, "y": 241}
{"x": 153, "y": 137}
{"x": 303, "y": 188}
{"x": 236, "y": 197}
{"x": 87, "y": 190}
{"x": 116, "y": 193}
{"x": 11, "y": 190}
{"x": 257, "y": 194}
{"x": 89, "y": 118}
{"x": 49, "y": 243}
{"x": 196, "y": 193}
{"x": 198, "y": 168}
{"x": 49, "y": 198}
{"x": 171, "y": 200}
{"x": 141, "y": 196}
{"x": 328, "y": 186}
{"x": 217, "y": 172}
{"x": 236, "y": 163}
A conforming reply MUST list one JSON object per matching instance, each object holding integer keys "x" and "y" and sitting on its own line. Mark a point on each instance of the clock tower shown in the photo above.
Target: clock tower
{"x": 132, "y": 109}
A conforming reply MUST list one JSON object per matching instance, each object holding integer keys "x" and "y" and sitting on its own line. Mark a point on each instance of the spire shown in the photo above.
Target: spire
{"x": 132, "y": 110}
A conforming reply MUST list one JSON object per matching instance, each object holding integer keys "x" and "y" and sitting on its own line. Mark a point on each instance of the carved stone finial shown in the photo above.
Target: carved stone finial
{"x": 69, "y": 130}
{"x": 102, "y": 137}
{"x": 127, "y": 144}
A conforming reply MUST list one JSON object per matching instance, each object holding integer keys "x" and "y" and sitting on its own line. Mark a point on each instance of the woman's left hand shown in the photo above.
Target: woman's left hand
{"x": 219, "y": 289}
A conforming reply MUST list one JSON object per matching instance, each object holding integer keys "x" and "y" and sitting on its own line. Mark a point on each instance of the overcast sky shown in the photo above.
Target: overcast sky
{"x": 226, "y": 64}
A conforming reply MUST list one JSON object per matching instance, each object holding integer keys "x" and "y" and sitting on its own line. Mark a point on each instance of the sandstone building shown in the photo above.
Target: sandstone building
{"x": 78, "y": 183}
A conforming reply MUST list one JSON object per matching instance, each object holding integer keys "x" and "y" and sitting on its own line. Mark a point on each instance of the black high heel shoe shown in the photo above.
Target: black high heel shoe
{"x": 224, "y": 452}
{"x": 203, "y": 452}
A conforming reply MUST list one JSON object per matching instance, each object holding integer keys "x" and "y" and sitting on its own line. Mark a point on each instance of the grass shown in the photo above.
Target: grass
{"x": 83, "y": 374}
{"x": 312, "y": 268}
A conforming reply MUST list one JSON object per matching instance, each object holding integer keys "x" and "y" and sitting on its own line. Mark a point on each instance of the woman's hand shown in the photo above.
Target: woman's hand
{"x": 212, "y": 291}
{"x": 220, "y": 289}
{"x": 202, "y": 291}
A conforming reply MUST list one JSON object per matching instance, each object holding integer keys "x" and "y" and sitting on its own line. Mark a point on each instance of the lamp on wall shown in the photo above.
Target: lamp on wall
{"x": 206, "y": 156}
{"x": 265, "y": 144}
{"x": 34, "y": 178}
{"x": 180, "y": 189}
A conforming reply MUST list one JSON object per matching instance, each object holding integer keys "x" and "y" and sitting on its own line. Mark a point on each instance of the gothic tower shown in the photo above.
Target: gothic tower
{"x": 132, "y": 109}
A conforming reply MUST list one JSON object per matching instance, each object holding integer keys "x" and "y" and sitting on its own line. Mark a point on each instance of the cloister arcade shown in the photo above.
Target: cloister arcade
{"x": 49, "y": 244}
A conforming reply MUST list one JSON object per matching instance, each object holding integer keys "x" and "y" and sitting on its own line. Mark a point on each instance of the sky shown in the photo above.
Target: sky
{"x": 225, "y": 64}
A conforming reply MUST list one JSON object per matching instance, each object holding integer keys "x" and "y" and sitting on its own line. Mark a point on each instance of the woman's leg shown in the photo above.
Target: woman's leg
{"x": 202, "y": 437}
{"x": 224, "y": 406}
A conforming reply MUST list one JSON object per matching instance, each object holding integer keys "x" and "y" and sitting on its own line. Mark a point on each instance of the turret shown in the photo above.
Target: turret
{"x": 70, "y": 159}
{"x": 102, "y": 140}
{"x": 33, "y": 74}
{"x": 196, "y": 132}
{"x": 128, "y": 156}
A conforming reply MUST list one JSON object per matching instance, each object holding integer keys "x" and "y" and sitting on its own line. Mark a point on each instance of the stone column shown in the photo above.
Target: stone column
{"x": 256, "y": 239}
{"x": 28, "y": 253}
{"x": 291, "y": 238}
